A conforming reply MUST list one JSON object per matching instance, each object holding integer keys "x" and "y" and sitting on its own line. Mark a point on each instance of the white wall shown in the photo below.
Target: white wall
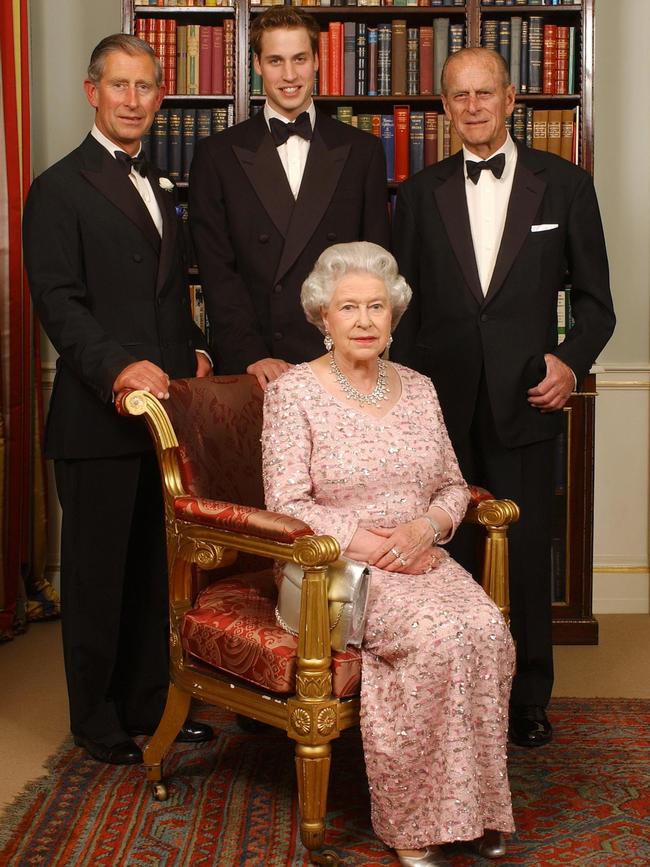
{"x": 63, "y": 34}
{"x": 622, "y": 177}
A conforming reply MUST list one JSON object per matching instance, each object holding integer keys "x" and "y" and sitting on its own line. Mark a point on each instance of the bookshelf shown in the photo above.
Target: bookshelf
{"x": 572, "y": 556}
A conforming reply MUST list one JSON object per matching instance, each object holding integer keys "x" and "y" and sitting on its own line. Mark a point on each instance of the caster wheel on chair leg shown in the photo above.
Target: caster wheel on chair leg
{"x": 159, "y": 791}
{"x": 327, "y": 858}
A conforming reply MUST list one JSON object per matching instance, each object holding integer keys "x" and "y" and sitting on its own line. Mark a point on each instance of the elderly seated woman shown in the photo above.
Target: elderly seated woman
{"x": 357, "y": 448}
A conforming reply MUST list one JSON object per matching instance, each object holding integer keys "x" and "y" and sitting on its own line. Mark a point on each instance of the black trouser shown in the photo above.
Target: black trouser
{"x": 114, "y": 594}
{"x": 525, "y": 475}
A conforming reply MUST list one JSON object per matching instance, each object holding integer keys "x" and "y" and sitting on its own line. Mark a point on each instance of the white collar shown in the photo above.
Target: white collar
{"x": 271, "y": 112}
{"x": 105, "y": 142}
{"x": 508, "y": 148}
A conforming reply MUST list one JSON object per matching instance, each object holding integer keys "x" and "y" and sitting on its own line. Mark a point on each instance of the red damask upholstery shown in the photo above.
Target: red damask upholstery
{"x": 232, "y": 627}
{"x": 218, "y": 430}
{"x": 240, "y": 519}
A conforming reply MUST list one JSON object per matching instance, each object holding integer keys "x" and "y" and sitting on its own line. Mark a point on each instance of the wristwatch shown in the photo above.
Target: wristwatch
{"x": 437, "y": 532}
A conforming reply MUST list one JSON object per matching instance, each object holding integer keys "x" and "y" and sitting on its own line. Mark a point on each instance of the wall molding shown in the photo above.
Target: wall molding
{"x": 616, "y": 568}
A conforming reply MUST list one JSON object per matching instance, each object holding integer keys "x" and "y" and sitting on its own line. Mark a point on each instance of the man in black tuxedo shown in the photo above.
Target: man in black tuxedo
{"x": 486, "y": 238}
{"x": 269, "y": 195}
{"x": 107, "y": 279}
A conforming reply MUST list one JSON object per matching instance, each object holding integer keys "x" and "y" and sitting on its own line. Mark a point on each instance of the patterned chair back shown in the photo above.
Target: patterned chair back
{"x": 218, "y": 423}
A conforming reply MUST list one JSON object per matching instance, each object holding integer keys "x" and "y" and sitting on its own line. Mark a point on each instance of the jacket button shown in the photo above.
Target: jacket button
{"x": 277, "y": 288}
{"x": 484, "y": 317}
{"x": 263, "y": 239}
{"x": 137, "y": 257}
{"x": 331, "y": 236}
{"x": 277, "y": 335}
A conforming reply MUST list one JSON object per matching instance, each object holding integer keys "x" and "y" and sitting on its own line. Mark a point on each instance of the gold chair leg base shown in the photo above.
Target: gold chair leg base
{"x": 327, "y": 857}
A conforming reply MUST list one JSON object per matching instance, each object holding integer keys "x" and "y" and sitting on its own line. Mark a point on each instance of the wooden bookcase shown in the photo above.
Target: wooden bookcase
{"x": 573, "y": 621}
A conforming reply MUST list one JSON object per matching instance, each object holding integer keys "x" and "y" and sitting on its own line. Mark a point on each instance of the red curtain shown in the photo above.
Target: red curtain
{"x": 22, "y": 502}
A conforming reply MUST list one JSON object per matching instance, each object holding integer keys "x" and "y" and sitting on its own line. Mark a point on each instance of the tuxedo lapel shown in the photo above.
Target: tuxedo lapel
{"x": 452, "y": 204}
{"x": 525, "y": 198}
{"x": 170, "y": 227}
{"x": 112, "y": 181}
{"x": 321, "y": 176}
{"x": 266, "y": 174}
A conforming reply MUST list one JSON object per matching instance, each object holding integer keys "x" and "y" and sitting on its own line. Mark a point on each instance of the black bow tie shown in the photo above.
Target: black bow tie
{"x": 138, "y": 163}
{"x": 281, "y": 131}
{"x": 496, "y": 165}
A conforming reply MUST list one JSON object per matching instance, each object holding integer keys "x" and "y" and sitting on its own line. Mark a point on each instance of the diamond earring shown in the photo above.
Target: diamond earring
{"x": 327, "y": 340}
{"x": 389, "y": 341}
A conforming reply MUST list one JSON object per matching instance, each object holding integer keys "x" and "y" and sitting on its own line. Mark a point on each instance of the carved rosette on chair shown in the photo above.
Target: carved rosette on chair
{"x": 226, "y": 648}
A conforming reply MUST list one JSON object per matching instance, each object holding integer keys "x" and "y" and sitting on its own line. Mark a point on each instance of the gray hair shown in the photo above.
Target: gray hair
{"x": 481, "y": 53}
{"x": 357, "y": 257}
{"x": 130, "y": 45}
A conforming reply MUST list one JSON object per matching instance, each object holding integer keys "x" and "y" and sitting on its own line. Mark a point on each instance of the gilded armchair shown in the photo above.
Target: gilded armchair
{"x": 225, "y": 646}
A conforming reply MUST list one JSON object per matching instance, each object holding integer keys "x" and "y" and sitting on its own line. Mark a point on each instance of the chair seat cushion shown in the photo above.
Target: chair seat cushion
{"x": 232, "y": 627}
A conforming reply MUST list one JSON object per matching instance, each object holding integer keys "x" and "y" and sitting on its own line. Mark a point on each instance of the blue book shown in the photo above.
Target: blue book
{"x": 388, "y": 141}
{"x": 416, "y": 142}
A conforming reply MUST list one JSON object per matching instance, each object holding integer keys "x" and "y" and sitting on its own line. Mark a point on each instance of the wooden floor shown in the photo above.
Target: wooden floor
{"x": 34, "y": 713}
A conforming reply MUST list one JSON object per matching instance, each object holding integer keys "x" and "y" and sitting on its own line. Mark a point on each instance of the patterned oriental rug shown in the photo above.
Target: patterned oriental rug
{"x": 582, "y": 800}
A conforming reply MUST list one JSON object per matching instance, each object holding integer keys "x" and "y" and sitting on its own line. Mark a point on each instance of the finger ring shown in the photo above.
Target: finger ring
{"x": 395, "y": 553}
{"x": 402, "y": 560}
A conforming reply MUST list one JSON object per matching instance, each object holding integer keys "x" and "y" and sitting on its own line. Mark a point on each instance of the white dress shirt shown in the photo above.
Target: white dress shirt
{"x": 487, "y": 203}
{"x": 141, "y": 184}
{"x": 294, "y": 152}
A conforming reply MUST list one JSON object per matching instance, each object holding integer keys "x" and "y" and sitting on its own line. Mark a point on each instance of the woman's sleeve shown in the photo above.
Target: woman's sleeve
{"x": 452, "y": 494}
{"x": 286, "y": 459}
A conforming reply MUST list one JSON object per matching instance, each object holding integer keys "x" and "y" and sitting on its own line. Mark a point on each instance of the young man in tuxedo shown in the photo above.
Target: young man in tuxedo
{"x": 485, "y": 239}
{"x": 107, "y": 278}
{"x": 268, "y": 195}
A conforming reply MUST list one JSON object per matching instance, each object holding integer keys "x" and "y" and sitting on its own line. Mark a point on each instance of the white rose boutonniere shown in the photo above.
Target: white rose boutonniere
{"x": 165, "y": 184}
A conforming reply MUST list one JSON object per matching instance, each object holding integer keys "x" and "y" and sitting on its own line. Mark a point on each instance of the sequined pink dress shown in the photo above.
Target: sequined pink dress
{"x": 437, "y": 658}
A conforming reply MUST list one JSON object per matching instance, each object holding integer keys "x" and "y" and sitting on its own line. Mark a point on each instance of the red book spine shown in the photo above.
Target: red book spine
{"x": 170, "y": 56}
{"x": 205, "y": 59}
{"x": 229, "y": 56}
{"x": 324, "y": 63}
{"x": 426, "y": 61}
{"x": 562, "y": 71}
{"x": 401, "y": 114}
{"x": 141, "y": 28}
{"x": 160, "y": 45}
{"x": 217, "y": 85}
{"x": 376, "y": 125}
{"x": 336, "y": 58}
{"x": 549, "y": 68}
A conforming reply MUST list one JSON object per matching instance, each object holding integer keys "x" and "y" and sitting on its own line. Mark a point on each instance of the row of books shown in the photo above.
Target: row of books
{"x": 358, "y": 59}
{"x": 175, "y": 131}
{"x": 185, "y": 2}
{"x": 357, "y": 2}
{"x": 542, "y": 57}
{"x": 413, "y": 140}
{"x": 196, "y": 59}
{"x": 530, "y": 2}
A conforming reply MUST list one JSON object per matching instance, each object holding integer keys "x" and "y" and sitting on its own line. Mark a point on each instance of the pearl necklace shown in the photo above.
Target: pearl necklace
{"x": 380, "y": 391}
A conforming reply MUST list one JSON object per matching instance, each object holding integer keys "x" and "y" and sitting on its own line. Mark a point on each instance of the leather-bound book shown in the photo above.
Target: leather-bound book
{"x": 229, "y": 56}
{"x": 373, "y": 61}
{"x": 160, "y": 140}
{"x": 540, "y": 129}
{"x": 549, "y": 67}
{"x": 181, "y": 59}
{"x": 412, "y": 62}
{"x": 554, "y": 131}
{"x": 398, "y": 58}
{"x": 189, "y": 137}
{"x": 335, "y": 58}
{"x": 349, "y": 58}
{"x": 440, "y": 49}
{"x": 361, "y": 60}
{"x": 324, "y": 63}
{"x": 217, "y": 84}
{"x": 430, "y": 138}
{"x": 535, "y": 53}
{"x": 388, "y": 141}
{"x": 426, "y": 60}
{"x": 205, "y": 59}
{"x": 567, "y": 133}
{"x": 416, "y": 142}
{"x": 402, "y": 126}
{"x": 170, "y": 56}
{"x": 192, "y": 59}
{"x": 175, "y": 142}
{"x": 562, "y": 67}
{"x": 384, "y": 58}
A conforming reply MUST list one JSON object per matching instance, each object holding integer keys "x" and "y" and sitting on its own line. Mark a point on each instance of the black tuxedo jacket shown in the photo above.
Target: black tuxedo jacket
{"x": 451, "y": 332}
{"x": 255, "y": 244}
{"x": 108, "y": 292}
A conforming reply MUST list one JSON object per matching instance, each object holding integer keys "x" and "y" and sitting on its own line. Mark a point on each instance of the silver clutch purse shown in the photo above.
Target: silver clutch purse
{"x": 348, "y": 585}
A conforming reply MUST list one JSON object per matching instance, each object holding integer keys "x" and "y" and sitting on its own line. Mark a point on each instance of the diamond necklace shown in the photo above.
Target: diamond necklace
{"x": 380, "y": 391}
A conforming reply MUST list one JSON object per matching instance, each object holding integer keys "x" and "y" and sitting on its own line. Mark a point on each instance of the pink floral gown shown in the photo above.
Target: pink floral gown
{"x": 437, "y": 658}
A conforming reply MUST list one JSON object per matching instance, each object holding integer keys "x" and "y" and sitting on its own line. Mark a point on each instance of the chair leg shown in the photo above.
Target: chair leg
{"x": 312, "y": 770}
{"x": 176, "y": 710}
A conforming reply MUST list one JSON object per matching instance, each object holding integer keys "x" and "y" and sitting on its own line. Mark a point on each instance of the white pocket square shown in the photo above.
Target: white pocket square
{"x": 544, "y": 227}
